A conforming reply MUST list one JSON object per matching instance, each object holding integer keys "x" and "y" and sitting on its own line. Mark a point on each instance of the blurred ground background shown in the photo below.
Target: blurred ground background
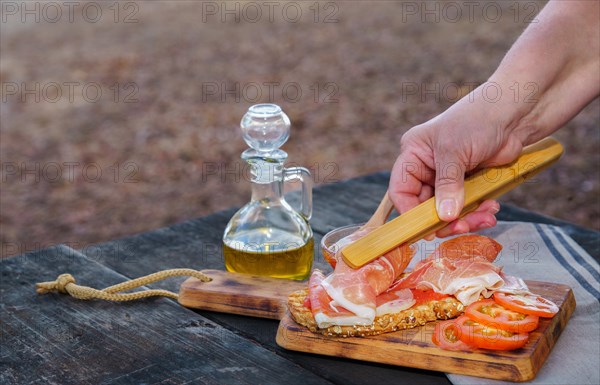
{"x": 123, "y": 117}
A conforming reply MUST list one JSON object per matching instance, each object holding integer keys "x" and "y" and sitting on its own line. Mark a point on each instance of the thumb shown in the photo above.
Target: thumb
{"x": 449, "y": 187}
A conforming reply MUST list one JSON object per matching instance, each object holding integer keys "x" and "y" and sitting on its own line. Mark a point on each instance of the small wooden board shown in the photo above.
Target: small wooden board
{"x": 413, "y": 347}
{"x": 243, "y": 294}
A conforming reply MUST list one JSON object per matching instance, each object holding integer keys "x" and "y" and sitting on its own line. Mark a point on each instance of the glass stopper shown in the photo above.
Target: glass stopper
{"x": 265, "y": 127}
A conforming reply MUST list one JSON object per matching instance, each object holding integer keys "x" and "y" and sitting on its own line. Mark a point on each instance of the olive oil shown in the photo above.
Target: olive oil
{"x": 288, "y": 257}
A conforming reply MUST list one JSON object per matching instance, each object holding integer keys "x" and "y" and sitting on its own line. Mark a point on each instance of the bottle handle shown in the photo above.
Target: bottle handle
{"x": 303, "y": 175}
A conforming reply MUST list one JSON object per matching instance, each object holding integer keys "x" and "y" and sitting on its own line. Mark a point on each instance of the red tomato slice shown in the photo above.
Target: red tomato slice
{"x": 488, "y": 312}
{"x": 306, "y": 302}
{"x": 488, "y": 337}
{"x": 527, "y": 303}
{"x": 447, "y": 336}
{"x": 423, "y": 296}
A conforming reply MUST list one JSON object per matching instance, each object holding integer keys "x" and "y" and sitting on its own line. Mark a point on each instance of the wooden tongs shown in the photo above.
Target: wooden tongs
{"x": 421, "y": 220}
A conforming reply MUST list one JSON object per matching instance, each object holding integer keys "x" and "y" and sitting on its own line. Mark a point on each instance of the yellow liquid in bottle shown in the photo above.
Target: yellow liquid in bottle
{"x": 272, "y": 259}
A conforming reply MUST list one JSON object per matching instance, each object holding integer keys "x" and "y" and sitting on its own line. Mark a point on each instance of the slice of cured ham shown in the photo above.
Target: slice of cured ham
{"x": 357, "y": 289}
{"x": 327, "y": 312}
{"x": 461, "y": 267}
{"x": 513, "y": 285}
{"x": 394, "y": 301}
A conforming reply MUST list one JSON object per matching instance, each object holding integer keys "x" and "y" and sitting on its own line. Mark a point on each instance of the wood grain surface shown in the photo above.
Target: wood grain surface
{"x": 242, "y": 294}
{"x": 413, "y": 347}
{"x": 54, "y": 339}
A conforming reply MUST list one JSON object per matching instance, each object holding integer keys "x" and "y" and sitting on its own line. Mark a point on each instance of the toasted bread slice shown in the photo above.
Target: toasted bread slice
{"x": 415, "y": 316}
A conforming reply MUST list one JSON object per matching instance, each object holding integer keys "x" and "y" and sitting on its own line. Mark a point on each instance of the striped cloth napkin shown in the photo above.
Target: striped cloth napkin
{"x": 545, "y": 253}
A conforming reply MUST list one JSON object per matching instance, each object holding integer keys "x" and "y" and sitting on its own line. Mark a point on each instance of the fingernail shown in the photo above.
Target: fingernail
{"x": 486, "y": 225}
{"x": 495, "y": 208}
{"x": 447, "y": 209}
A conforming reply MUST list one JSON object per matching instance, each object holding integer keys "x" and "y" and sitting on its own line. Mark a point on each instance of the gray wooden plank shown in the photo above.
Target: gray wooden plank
{"x": 56, "y": 339}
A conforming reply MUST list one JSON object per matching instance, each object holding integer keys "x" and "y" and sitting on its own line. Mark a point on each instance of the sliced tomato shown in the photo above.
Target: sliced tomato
{"x": 488, "y": 312}
{"x": 447, "y": 336}
{"x": 488, "y": 337}
{"x": 527, "y": 303}
{"x": 306, "y": 302}
{"x": 423, "y": 296}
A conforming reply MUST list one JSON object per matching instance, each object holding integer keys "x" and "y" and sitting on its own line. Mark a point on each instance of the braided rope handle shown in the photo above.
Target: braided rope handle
{"x": 65, "y": 283}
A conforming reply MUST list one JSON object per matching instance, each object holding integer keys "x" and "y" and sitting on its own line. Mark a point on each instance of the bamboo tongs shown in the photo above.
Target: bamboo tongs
{"x": 421, "y": 220}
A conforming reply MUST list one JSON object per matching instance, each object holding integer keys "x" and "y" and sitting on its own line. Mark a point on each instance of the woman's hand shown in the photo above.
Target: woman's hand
{"x": 436, "y": 155}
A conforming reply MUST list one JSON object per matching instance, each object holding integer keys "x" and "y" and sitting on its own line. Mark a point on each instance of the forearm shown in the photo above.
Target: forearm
{"x": 551, "y": 72}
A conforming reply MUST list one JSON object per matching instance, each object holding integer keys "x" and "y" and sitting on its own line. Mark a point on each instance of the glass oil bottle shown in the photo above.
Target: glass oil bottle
{"x": 268, "y": 236}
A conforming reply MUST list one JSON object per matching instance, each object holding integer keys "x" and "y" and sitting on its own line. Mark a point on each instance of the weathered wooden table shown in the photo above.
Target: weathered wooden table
{"x": 55, "y": 339}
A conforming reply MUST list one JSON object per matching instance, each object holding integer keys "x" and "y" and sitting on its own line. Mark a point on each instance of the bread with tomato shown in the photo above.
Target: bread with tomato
{"x": 417, "y": 315}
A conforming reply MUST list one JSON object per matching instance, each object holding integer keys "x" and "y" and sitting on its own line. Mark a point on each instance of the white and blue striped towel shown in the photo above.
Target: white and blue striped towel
{"x": 545, "y": 253}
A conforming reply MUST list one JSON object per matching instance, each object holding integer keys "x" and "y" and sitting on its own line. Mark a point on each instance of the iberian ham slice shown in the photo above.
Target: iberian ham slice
{"x": 325, "y": 311}
{"x": 394, "y": 301}
{"x": 461, "y": 267}
{"x": 513, "y": 285}
{"x": 357, "y": 289}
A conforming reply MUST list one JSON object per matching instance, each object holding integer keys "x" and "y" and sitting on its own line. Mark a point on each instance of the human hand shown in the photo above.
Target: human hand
{"x": 435, "y": 156}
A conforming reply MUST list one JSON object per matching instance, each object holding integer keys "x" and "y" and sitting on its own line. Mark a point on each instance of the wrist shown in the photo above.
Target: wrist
{"x": 509, "y": 107}
{"x": 492, "y": 112}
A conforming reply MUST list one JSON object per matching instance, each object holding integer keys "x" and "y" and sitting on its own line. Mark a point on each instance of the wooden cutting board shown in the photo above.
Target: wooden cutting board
{"x": 243, "y": 294}
{"x": 267, "y": 297}
{"x": 413, "y": 347}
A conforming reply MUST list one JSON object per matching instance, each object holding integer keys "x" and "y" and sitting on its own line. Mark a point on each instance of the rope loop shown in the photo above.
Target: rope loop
{"x": 66, "y": 284}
